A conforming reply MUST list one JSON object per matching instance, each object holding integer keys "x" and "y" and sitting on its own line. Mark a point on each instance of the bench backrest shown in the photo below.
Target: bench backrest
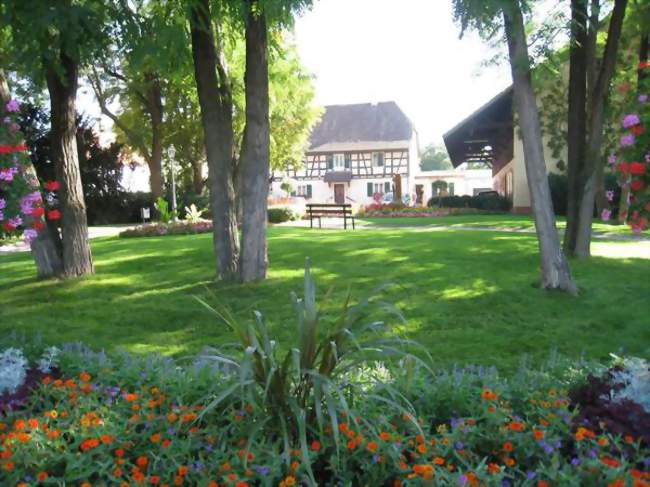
{"x": 329, "y": 209}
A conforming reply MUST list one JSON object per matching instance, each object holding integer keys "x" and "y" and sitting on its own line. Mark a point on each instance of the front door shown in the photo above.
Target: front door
{"x": 339, "y": 194}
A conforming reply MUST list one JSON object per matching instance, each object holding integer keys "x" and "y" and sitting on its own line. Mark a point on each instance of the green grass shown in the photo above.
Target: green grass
{"x": 468, "y": 296}
{"x": 495, "y": 221}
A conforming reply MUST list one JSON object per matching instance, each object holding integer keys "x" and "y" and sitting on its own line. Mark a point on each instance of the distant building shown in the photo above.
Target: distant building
{"x": 488, "y": 136}
{"x": 359, "y": 151}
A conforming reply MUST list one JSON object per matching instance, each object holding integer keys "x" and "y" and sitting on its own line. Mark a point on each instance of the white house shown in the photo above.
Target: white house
{"x": 361, "y": 150}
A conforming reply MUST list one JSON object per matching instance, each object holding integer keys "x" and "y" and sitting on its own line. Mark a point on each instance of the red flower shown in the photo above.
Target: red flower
{"x": 644, "y": 64}
{"x": 38, "y": 211}
{"x": 38, "y": 225}
{"x": 52, "y": 185}
{"x": 637, "y": 130}
{"x": 637, "y": 168}
{"x": 8, "y": 227}
{"x": 636, "y": 185}
{"x": 54, "y": 215}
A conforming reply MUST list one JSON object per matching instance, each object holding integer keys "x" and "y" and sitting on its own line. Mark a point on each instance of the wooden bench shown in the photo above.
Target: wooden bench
{"x": 330, "y": 210}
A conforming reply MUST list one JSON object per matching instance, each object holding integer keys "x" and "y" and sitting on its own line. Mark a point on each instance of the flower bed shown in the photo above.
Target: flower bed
{"x": 146, "y": 421}
{"x": 172, "y": 228}
{"x": 393, "y": 211}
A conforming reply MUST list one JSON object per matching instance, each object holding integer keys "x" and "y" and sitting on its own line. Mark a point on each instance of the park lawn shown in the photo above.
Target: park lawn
{"x": 468, "y": 297}
{"x": 505, "y": 221}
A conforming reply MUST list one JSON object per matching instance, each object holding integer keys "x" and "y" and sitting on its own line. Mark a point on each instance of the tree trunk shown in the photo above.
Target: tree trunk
{"x": 197, "y": 175}
{"x": 155, "y": 108}
{"x": 215, "y": 100}
{"x": 555, "y": 272}
{"x": 254, "y": 161}
{"x": 593, "y": 156}
{"x": 577, "y": 118}
{"x": 46, "y": 248}
{"x": 77, "y": 258}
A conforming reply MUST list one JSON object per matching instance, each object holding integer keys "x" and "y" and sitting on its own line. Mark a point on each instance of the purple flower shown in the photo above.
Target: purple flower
{"x": 263, "y": 470}
{"x": 3, "y": 203}
{"x": 643, "y": 98}
{"x": 631, "y": 120}
{"x": 7, "y": 120}
{"x": 610, "y": 195}
{"x": 459, "y": 445}
{"x": 627, "y": 140}
{"x": 30, "y": 234}
{"x": 462, "y": 480}
{"x": 2, "y": 216}
{"x": 575, "y": 461}
{"x": 198, "y": 466}
{"x": 16, "y": 221}
{"x": 611, "y": 159}
{"x": 531, "y": 475}
{"x": 14, "y": 127}
{"x": 12, "y": 106}
{"x": 606, "y": 214}
{"x": 171, "y": 431}
{"x": 209, "y": 447}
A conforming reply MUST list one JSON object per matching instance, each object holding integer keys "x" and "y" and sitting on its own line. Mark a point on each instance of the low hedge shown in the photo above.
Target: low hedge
{"x": 280, "y": 215}
{"x": 486, "y": 202}
{"x": 173, "y": 228}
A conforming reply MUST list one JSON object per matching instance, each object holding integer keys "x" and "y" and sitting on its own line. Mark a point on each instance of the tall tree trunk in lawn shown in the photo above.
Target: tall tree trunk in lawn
{"x": 62, "y": 87}
{"x": 644, "y": 48}
{"x": 215, "y": 99}
{"x": 577, "y": 117}
{"x": 155, "y": 108}
{"x": 555, "y": 272}
{"x": 254, "y": 161}
{"x": 46, "y": 247}
{"x": 197, "y": 175}
{"x": 593, "y": 157}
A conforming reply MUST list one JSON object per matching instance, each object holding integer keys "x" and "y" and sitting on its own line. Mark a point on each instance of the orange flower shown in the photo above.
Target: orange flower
{"x": 154, "y": 480}
{"x": 539, "y": 434}
{"x": 610, "y": 462}
{"x": 19, "y": 424}
{"x": 106, "y": 439}
{"x": 510, "y": 462}
{"x": 617, "y": 483}
{"x": 507, "y": 446}
{"x": 384, "y": 436}
{"x": 189, "y": 417}
{"x": 542, "y": 483}
{"x": 315, "y": 445}
{"x": 182, "y": 470}
{"x": 131, "y": 397}
{"x": 84, "y": 377}
{"x": 494, "y": 468}
{"x": 178, "y": 480}
{"x": 119, "y": 452}
{"x": 42, "y": 476}
{"x": 602, "y": 441}
{"x": 155, "y": 438}
{"x": 489, "y": 395}
{"x": 9, "y": 466}
{"x": 516, "y": 426}
{"x": 352, "y": 445}
{"x": 372, "y": 446}
{"x": 33, "y": 423}
{"x": 422, "y": 448}
{"x": 117, "y": 472}
{"x": 86, "y": 484}
{"x": 343, "y": 427}
{"x": 142, "y": 461}
{"x": 439, "y": 461}
{"x": 89, "y": 444}
{"x": 289, "y": 481}
{"x": 53, "y": 434}
{"x": 166, "y": 443}
{"x": 24, "y": 437}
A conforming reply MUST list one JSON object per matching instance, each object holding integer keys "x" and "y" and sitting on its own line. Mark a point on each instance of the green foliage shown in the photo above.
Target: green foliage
{"x": 165, "y": 213}
{"x": 303, "y": 387}
{"x": 486, "y": 202}
{"x": 193, "y": 214}
{"x": 435, "y": 158}
{"x": 280, "y": 215}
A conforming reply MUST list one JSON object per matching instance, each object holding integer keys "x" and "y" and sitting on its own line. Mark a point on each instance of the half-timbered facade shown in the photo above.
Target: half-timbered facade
{"x": 356, "y": 152}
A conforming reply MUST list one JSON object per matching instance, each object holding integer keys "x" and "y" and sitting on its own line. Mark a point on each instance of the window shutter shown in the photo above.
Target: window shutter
{"x": 386, "y": 187}
{"x": 348, "y": 161}
{"x": 380, "y": 159}
{"x": 330, "y": 162}
{"x": 293, "y": 193}
{"x": 309, "y": 191}
{"x": 370, "y": 193}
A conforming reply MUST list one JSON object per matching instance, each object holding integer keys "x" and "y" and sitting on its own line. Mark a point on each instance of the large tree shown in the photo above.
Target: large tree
{"x": 487, "y": 16}
{"x": 50, "y": 42}
{"x": 435, "y": 158}
{"x": 215, "y": 99}
{"x": 589, "y": 87}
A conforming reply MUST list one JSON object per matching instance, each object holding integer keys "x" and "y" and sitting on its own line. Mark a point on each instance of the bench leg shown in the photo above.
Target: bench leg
{"x": 345, "y": 221}
{"x": 353, "y": 223}
{"x": 311, "y": 221}
{"x": 319, "y": 222}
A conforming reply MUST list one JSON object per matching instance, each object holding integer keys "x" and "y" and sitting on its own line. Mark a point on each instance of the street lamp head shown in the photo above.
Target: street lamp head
{"x": 171, "y": 151}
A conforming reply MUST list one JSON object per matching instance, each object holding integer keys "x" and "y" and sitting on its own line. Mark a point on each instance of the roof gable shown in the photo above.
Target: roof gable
{"x": 364, "y": 122}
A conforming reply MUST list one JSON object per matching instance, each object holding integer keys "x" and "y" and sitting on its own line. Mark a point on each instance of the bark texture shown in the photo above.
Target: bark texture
{"x": 215, "y": 99}
{"x": 254, "y": 161}
{"x": 577, "y": 117}
{"x": 62, "y": 87}
{"x": 46, "y": 248}
{"x": 593, "y": 157}
{"x": 555, "y": 272}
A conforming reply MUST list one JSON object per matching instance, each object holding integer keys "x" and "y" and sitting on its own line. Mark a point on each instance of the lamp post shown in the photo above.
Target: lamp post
{"x": 171, "y": 152}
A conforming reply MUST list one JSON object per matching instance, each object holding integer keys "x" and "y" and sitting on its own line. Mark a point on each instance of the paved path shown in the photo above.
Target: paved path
{"x": 93, "y": 232}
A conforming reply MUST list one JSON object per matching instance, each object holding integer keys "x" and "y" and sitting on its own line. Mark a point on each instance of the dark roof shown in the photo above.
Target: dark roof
{"x": 338, "y": 176}
{"x": 486, "y": 135}
{"x": 361, "y": 122}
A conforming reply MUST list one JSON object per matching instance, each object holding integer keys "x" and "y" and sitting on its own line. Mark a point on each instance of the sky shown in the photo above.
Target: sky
{"x": 407, "y": 51}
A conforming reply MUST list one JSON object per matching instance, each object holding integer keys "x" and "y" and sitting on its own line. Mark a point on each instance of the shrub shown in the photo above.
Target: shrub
{"x": 280, "y": 215}
{"x": 487, "y": 202}
{"x": 173, "y": 228}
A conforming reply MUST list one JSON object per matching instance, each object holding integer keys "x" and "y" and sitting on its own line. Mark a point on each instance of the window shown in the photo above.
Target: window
{"x": 386, "y": 187}
{"x": 339, "y": 161}
{"x": 304, "y": 191}
{"x": 378, "y": 188}
{"x": 509, "y": 184}
{"x": 348, "y": 161}
{"x": 377, "y": 159}
{"x": 450, "y": 188}
{"x": 370, "y": 190}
